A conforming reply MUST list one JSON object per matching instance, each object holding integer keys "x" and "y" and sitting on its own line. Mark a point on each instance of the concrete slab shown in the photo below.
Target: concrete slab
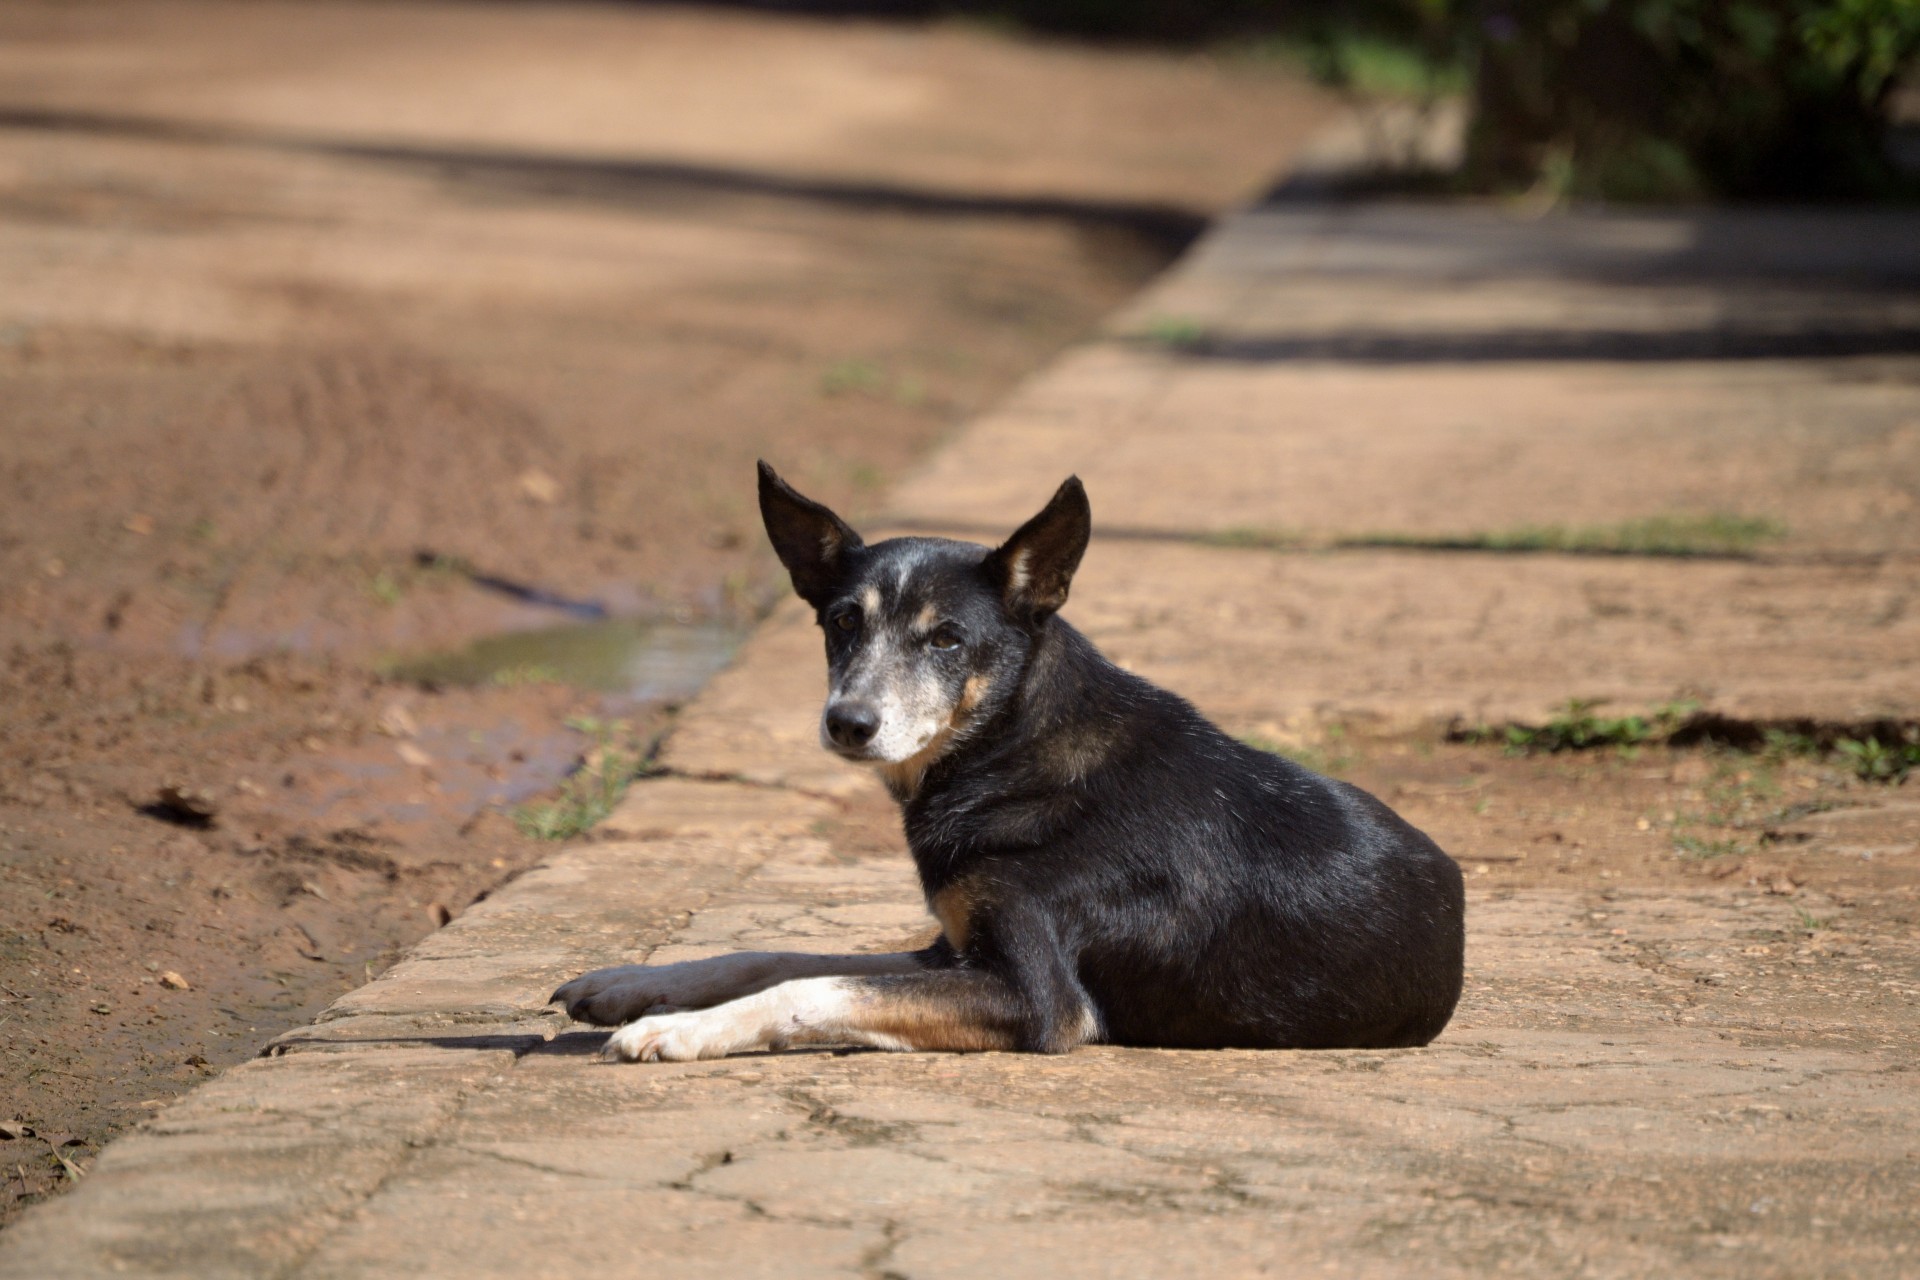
{"x": 1355, "y": 372}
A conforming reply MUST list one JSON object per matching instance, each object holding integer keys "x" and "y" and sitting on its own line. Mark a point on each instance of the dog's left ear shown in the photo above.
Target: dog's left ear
{"x": 812, "y": 542}
{"x": 1034, "y": 567}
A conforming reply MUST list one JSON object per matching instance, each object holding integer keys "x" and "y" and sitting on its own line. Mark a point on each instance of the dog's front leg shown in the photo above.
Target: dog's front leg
{"x": 610, "y": 997}
{"x": 959, "y": 1010}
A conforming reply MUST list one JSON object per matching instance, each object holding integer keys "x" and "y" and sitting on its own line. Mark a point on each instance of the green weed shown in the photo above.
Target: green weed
{"x": 1678, "y": 536}
{"x": 1360, "y": 63}
{"x": 1688, "y": 846}
{"x": 1713, "y": 534}
{"x": 853, "y": 376}
{"x": 1182, "y": 333}
{"x": 1577, "y": 728}
{"x": 1250, "y": 537}
{"x": 1810, "y": 922}
{"x": 525, "y": 673}
{"x": 386, "y": 588}
{"x": 591, "y": 793}
{"x": 1778, "y": 746}
{"x": 1874, "y": 761}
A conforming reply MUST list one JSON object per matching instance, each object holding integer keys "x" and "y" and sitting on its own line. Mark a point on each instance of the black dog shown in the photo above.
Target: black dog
{"x": 1105, "y": 864}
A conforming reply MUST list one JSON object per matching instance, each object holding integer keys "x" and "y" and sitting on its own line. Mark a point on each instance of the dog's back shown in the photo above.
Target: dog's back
{"x": 1209, "y": 894}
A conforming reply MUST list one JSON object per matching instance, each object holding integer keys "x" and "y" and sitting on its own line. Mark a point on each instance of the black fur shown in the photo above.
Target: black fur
{"x": 1114, "y": 851}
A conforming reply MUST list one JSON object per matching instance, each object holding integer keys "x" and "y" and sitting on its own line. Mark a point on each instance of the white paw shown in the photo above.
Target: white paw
{"x": 671, "y": 1037}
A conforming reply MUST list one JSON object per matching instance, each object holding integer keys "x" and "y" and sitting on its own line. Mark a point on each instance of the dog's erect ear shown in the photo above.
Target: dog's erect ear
{"x": 809, "y": 539}
{"x": 1035, "y": 566}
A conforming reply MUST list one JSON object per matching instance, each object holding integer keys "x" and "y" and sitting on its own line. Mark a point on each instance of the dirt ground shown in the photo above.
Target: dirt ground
{"x": 338, "y": 332}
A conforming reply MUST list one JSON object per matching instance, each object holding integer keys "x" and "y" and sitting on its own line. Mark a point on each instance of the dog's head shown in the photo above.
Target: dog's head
{"x": 926, "y": 637}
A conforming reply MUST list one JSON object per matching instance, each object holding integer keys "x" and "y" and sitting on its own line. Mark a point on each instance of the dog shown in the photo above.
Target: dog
{"x": 1106, "y": 866}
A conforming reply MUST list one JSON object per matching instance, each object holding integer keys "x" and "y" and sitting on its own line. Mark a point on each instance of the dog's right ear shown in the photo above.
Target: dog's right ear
{"x": 1034, "y": 568}
{"x": 811, "y": 541}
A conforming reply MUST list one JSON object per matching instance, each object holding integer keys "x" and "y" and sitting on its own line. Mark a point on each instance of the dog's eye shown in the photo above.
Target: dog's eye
{"x": 848, "y": 621}
{"x": 945, "y": 641}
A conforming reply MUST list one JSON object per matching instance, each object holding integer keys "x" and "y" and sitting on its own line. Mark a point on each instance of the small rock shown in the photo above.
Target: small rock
{"x": 16, "y": 1128}
{"x": 183, "y": 803}
{"x": 397, "y": 722}
{"x": 439, "y": 914}
{"x": 102, "y": 1008}
{"x": 539, "y": 486}
{"x": 413, "y": 755}
{"x": 174, "y": 981}
{"x": 139, "y": 524}
{"x": 1783, "y": 886}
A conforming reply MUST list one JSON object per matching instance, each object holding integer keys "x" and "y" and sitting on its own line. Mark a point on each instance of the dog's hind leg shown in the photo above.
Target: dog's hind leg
{"x": 610, "y": 997}
{"x": 960, "y": 1010}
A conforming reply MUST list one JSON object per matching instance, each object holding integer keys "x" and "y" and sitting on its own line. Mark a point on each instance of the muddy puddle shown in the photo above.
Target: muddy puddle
{"x": 628, "y": 659}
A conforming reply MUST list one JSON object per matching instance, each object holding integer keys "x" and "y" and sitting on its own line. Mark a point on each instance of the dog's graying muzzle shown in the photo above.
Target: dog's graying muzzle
{"x": 850, "y": 724}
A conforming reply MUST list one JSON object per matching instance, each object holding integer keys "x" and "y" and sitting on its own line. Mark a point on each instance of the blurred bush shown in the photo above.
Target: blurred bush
{"x": 1625, "y": 99}
{"x": 1649, "y": 99}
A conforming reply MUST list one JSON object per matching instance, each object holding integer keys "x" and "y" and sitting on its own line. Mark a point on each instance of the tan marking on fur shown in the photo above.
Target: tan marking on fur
{"x": 953, "y": 907}
{"x": 903, "y": 776}
{"x": 870, "y": 599}
{"x": 970, "y": 694}
{"x": 933, "y": 1024}
{"x": 924, "y": 620}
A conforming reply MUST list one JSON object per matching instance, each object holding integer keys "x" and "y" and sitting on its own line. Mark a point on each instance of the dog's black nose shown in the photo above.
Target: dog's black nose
{"x": 852, "y": 725}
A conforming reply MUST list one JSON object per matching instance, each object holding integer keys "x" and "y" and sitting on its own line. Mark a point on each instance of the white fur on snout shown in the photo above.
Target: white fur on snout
{"x": 804, "y": 1011}
{"x": 891, "y": 675}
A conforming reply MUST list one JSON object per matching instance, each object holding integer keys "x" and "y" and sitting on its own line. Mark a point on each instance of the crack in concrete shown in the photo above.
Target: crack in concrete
{"x": 403, "y": 1156}
{"x": 523, "y": 1162}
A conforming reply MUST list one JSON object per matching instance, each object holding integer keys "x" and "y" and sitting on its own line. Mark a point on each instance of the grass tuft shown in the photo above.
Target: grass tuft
{"x": 1713, "y": 534}
{"x": 1182, "y": 333}
{"x": 525, "y": 673}
{"x": 1576, "y": 728}
{"x": 1254, "y": 538}
{"x": 1875, "y": 761}
{"x": 1690, "y": 846}
{"x": 591, "y": 792}
{"x": 1361, "y": 63}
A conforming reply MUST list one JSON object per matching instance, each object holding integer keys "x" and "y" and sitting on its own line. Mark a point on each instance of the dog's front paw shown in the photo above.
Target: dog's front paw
{"x": 672, "y": 1037}
{"x": 610, "y": 997}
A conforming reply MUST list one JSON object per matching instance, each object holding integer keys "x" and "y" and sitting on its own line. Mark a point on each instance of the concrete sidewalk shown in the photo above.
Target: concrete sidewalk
{"x": 1280, "y": 441}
